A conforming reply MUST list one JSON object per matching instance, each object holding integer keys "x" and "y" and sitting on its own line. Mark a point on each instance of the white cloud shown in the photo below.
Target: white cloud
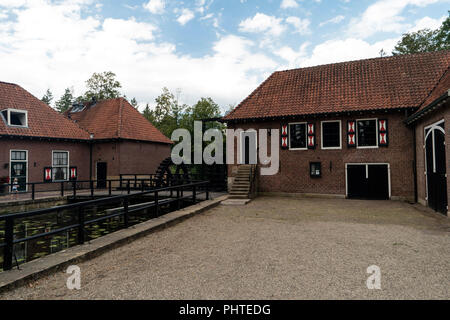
{"x": 334, "y": 20}
{"x": 346, "y": 50}
{"x": 427, "y": 23}
{"x": 53, "y": 46}
{"x": 186, "y": 16}
{"x": 301, "y": 25}
{"x": 384, "y": 16}
{"x": 262, "y": 23}
{"x": 286, "y": 4}
{"x": 155, "y": 6}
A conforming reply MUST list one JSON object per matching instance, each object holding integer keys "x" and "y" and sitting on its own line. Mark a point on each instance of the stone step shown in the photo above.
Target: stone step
{"x": 235, "y": 202}
{"x": 245, "y": 196}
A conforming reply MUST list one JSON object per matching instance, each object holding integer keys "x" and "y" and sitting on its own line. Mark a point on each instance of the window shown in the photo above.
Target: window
{"x": 367, "y": 133}
{"x": 331, "y": 135}
{"x": 60, "y": 165}
{"x": 297, "y": 136}
{"x": 17, "y": 118}
{"x": 19, "y": 155}
{"x": 315, "y": 169}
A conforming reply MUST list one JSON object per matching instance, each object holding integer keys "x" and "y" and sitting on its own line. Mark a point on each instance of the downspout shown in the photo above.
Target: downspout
{"x": 90, "y": 161}
{"x": 91, "y": 142}
{"x": 416, "y": 195}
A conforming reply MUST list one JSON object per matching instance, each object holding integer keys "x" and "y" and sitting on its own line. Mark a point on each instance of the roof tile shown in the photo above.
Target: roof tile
{"x": 116, "y": 118}
{"x": 379, "y": 83}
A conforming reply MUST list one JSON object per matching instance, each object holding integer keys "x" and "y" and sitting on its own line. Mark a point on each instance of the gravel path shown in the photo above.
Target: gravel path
{"x": 274, "y": 248}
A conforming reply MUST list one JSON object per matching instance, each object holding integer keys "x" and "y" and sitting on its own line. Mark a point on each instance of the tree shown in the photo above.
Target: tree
{"x": 149, "y": 114}
{"x": 65, "y": 102}
{"x": 425, "y": 40}
{"x": 48, "y": 97}
{"x": 167, "y": 114}
{"x": 134, "y": 103}
{"x": 102, "y": 86}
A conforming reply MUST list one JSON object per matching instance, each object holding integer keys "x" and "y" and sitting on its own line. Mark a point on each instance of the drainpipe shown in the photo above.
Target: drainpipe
{"x": 90, "y": 157}
{"x": 416, "y": 196}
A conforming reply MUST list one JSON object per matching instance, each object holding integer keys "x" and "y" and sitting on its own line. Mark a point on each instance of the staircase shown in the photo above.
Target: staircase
{"x": 244, "y": 186}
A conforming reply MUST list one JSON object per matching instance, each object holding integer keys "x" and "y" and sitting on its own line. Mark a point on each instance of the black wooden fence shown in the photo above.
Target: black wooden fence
{"x": 174, "y": 195}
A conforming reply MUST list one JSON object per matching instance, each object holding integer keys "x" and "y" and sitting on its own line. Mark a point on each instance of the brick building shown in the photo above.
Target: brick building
{"x": 101, "y": 141}
{"x": 344, "y": 128}
{"x": 124, "y": 141}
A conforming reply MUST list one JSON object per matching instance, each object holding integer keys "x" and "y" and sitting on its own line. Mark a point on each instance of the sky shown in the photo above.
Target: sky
{"x": 221, "y": 49}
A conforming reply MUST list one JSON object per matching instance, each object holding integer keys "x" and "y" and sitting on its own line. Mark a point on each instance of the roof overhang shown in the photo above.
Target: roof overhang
{"x": 439, "y": 102}
{"x": 319, "y": 115}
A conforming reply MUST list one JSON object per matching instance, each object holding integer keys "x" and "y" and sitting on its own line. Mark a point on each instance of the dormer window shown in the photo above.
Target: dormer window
{"x": 15, "y": 118}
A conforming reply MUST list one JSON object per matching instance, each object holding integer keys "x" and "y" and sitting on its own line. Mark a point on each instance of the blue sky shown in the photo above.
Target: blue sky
{"x": 216, "y": 48}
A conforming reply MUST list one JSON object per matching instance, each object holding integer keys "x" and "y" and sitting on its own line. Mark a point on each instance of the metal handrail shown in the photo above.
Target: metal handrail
{"x": 78, "y": 208}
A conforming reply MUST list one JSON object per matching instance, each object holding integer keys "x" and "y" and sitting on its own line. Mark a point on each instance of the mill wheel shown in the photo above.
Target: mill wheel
{"x": 169, "y": 174}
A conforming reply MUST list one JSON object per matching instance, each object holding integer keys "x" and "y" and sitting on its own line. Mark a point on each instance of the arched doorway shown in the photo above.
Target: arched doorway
{"x": 436, "y": 167}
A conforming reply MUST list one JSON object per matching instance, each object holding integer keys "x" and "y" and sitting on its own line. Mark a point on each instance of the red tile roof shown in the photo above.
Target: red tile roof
{"x": 43, "y": 121}
{"x": 442, "y": 87}
{"x": 116, "y": 118}
{"x": 380, "y": 83}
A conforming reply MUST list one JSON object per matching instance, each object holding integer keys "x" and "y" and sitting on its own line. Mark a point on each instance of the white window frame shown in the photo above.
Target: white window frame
{"x": 8, "y": 121}
{"x": 367, "y": 164}
{"x": 357, "y": 134}
{"x": 59, "y": 166}
{"x": 306, "y": 135}
{"x": 10, "y": 166}
{"x": 242, "y": 144}
{"x": 340, "y": 135}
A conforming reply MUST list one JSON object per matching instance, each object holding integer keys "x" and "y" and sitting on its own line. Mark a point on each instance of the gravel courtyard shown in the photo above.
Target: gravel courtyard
{"x": 274, "y": 248}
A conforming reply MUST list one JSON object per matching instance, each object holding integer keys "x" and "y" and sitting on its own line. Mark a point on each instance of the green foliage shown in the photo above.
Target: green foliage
{"x": 65, "y": 102}
{"x": 102, "y": 86}
{"x": 425, "y": 40}
{"x": 169, "y": 114}
{"x": 134, "y": 103}
{"x": 48, "y": 97}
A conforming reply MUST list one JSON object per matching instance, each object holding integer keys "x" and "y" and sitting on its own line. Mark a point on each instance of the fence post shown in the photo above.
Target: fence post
{"x": 109, "y": 187}
{"x": 120, "y": 181}
{"x": 142, "y": 185}
{"x": 194, "y": 195}
{"x": 157, "y": 203}
{"x": 9, "y": 241}
{"x": 125, "y": 212}
{"x": 92, "y": 188}
{"x": 80, "y": 225}
{"x": 135, "y": 181}
{"x": 62, "y": 189}
{"x": 207, "y": 191}
{"x": 74, "y": 187}
{"x": 128, "y": 187}
{"x": 178, "y": 198}
{"x": 32, "y": 191}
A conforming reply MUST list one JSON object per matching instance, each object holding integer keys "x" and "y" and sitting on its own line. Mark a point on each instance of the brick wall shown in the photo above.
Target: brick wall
{"x": 40, "y": 156}
{"x": 129, "y": 157}
{"x": 442, "y": 113}
{"x": 294, "y": 177}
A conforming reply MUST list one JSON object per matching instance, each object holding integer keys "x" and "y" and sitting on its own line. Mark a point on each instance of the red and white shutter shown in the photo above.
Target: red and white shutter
{"x": 383, "y": 139}
{"x": 48, "y": 174}
{"x": 311, "y": 130}
{"x": 73, "y": 173}
{"x": 284, "y": 136}
{"x": 351, "y": 134}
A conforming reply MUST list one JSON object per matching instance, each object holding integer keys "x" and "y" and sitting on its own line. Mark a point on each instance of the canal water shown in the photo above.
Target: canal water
{"x": 34, "y": 249}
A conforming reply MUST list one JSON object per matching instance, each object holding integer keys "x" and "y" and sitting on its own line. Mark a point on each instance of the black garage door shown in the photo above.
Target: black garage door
{"x": 368, "y": 181}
